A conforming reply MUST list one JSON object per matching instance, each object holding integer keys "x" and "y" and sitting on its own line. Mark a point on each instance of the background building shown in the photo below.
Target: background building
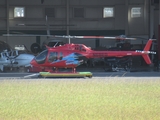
{"x": 133, "y": 18}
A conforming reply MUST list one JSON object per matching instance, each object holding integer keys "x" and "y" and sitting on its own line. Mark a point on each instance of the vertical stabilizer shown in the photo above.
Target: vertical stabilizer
{"x": 148, "y": 45}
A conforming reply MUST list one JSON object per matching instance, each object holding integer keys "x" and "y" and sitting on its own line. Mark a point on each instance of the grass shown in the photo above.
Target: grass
{"x": 83, "y": 99}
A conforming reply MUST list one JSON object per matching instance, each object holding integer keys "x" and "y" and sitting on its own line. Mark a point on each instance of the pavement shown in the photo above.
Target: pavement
{"x": 96, "y": 71}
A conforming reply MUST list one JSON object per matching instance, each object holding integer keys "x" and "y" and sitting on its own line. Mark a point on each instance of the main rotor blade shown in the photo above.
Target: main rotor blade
{"x": 70, "y": 37}
{"x": 24, "y": 35}
{"x": 91, "y": 37}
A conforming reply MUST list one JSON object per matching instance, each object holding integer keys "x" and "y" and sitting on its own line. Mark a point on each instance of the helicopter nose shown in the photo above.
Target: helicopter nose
{"x": 33, "y": 62}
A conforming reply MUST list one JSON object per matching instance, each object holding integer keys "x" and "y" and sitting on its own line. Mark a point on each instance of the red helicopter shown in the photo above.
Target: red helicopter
{"x": 73, "y": 55}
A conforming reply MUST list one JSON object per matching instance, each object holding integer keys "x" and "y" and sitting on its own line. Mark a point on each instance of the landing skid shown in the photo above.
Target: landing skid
{"x": 65, "y": 75}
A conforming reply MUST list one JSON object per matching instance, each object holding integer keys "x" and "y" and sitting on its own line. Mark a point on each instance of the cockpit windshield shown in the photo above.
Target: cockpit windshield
{"x": 40, "y": 59}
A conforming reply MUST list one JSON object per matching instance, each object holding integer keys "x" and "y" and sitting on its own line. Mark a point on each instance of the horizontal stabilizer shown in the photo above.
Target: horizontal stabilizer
{"x": 147, "y": 59}
{"x": 146, "y": 52}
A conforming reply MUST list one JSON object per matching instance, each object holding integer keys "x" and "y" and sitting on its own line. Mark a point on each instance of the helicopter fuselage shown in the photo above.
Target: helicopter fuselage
{"x": 73, "y": 55}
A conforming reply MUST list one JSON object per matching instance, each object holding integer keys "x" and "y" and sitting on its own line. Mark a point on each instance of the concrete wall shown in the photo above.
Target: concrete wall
{"x": 93, "y": 12}
{"x": 93, "y": 17}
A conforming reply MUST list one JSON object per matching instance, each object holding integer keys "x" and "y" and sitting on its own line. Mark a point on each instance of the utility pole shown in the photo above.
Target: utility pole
{"x": 126, "y": 19}
{"x": 67, "y": 19}
{"x": 7, "y": 19}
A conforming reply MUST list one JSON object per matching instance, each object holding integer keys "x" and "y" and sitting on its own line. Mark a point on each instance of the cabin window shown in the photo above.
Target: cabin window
{"x": 136, "y": 12}
{"x": 53, "y": 56}
{"x": 108, "y": 12}
{"x": 6, "y": 54}
{"x": 82, "y": 48}
{"x": 60, "y": 56}
{"x": 14, "y": 53}
{"x": 19, "y": 12}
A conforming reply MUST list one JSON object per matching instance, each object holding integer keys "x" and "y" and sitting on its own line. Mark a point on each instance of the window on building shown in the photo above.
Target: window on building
{"x": 79, "y": 12}
{"x": 19, "y": 12}
{"x": 136, "y": 12}
{"x": 50, "y": 12}
{"x": 108, "y": 12}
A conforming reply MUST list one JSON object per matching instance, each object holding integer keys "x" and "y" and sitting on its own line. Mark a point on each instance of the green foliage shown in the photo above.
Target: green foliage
{"x": 82, "y": 99}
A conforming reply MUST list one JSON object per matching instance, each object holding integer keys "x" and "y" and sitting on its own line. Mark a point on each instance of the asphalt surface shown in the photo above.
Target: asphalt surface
{"x": 15, "y": 75}
{"x": 145, "y": 72}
